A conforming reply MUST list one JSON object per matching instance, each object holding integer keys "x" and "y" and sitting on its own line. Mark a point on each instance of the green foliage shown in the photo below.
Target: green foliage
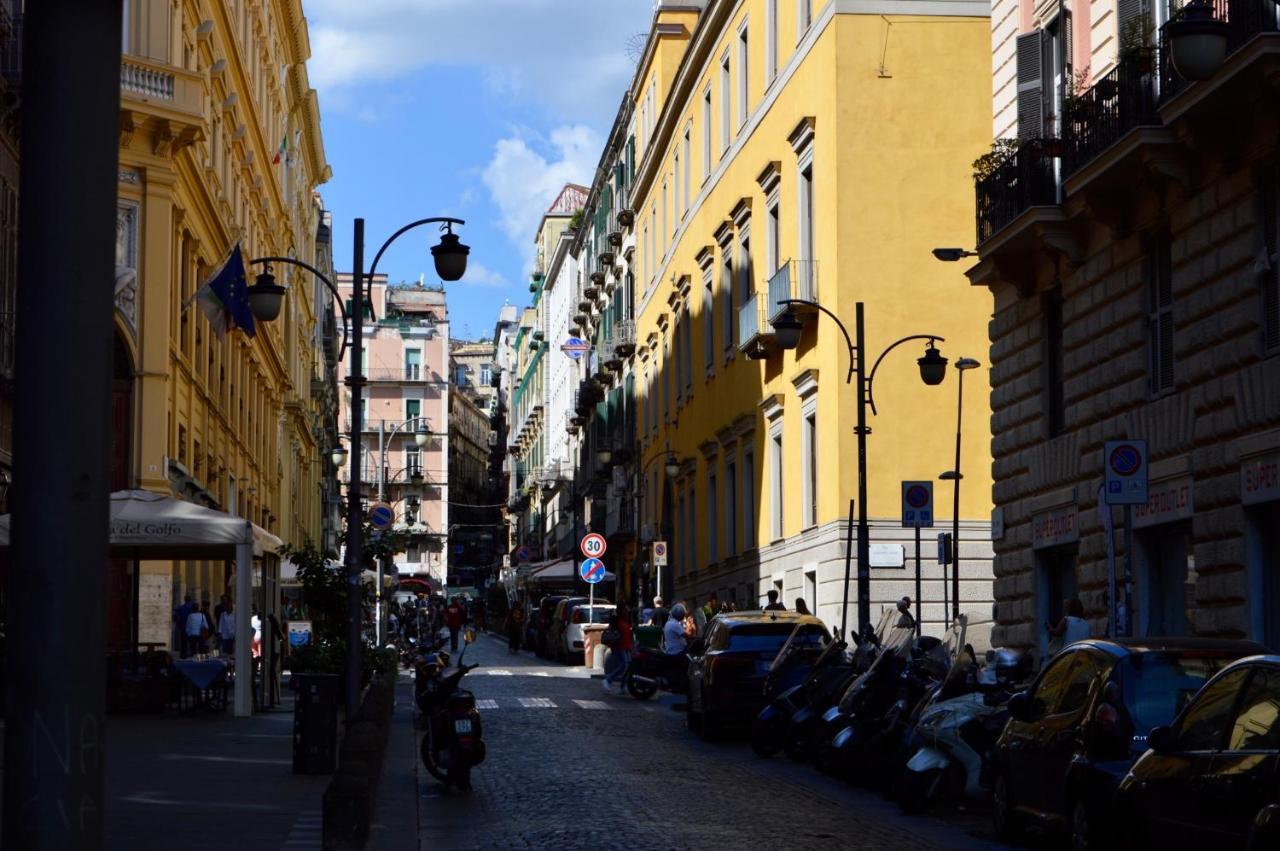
{"x": 1001, "y": 150}
{"x": 575, "y": 220}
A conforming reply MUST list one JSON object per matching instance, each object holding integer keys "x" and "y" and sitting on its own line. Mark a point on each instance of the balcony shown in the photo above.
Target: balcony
{"x": 755, "y": 335}
{"x": 624, "y": 338}
{"x": 160, "y": 89}
{"x": 410, "y": 373}
{"x": 1024, "y": 180}
{"x": 794, "y": 279}
{"x": 1119, "y": 102}
{"x": 1246, "y": 19}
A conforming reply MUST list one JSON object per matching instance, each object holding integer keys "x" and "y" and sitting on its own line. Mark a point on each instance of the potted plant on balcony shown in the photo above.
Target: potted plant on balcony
{"x": 987, "y": 164}
{"x": 1136, "y": 48}
{"x": 1197, "y": 41}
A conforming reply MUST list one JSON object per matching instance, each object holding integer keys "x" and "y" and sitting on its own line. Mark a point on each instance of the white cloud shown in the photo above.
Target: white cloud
{"x": 570, "y": 55}
{"x": 482, "y": 276}
{"x": 523, "y": 182}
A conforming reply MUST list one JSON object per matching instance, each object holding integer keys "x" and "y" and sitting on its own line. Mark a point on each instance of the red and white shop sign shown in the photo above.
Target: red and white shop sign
{"x": 1260, "y": 478}
{"x": 1055, "y": 527}
{"x": 1168, "y": 501}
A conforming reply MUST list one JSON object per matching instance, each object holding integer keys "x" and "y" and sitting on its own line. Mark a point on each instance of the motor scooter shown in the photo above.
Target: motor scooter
{"x": 451, "y": 743}
{"x": 771, "y": 730}
{"x": 650, "y": 671}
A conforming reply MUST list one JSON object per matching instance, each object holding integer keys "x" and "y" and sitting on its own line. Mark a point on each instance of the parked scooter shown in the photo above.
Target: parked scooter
{"x": 957, "y": 734}
{"x": 651, "y": 671}
{"x": 771, "y": 730}
{"x": 452, "y": 744}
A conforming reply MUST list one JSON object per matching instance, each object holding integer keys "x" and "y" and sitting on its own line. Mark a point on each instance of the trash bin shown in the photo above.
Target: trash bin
{"x": 649, "y": 637}
{"x": 315, "y": 723}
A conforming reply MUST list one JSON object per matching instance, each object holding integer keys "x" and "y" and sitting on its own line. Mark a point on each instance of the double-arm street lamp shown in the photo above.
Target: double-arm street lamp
{"x": 265, "y": 295}
{"x": 933, "y": 368}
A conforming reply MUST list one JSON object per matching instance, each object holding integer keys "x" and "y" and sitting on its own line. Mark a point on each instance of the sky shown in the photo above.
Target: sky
{"x": 477, "y": 109}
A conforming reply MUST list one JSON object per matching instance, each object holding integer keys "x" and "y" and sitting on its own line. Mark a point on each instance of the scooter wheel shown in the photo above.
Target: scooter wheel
{"x": 639, "y": 690}
{"x": 428, "y": 753}
{"x": 917, "y": 790}
{"x": 460, "y": 777}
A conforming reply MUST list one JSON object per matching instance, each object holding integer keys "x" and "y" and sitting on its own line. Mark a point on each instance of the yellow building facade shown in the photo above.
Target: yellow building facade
{"x": 219, "y": 142}
{"x": 807, "y": 150}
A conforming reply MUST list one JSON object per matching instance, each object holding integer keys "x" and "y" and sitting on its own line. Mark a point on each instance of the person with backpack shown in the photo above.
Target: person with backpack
{"x": 620, "y": 640}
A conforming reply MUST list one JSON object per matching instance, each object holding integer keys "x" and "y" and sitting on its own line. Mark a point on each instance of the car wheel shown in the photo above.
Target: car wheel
{"x": 1003, "y": 818}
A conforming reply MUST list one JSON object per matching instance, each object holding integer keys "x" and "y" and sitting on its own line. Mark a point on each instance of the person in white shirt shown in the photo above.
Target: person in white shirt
{"x": 673, "y": 640}
{"x": 1072, "y": 628}
{"x": 227, "y": 629}
{"x": 256, "y": 623}
{"x": 197, "y": 623}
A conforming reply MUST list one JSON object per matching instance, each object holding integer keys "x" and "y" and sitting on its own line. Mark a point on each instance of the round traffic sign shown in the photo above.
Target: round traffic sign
{"x": 1125, "y": 459}
{"x": 660, "y": 548}
{"x": 381, "y": 515}
{"x": 523, "y": 553}
{"x": 593, "y": 545}
{"x": 592, "y": 570}
{"x": 917, "y": 496}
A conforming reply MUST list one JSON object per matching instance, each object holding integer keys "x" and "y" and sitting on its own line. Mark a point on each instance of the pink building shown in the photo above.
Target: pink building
{"x": 406, "y": 361}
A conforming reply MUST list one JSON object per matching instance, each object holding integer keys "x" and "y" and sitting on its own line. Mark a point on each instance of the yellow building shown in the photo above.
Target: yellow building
{"x": 806, "y": 150}
{"x": 219, "y": 142}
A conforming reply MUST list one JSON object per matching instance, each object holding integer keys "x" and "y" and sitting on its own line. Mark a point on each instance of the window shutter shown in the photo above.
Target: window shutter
{"x": 1030, "y": 47}
{"x": 1160, "y": 276}
{"x": 1133, "y": 17}
{"x": 1068, "y": 48}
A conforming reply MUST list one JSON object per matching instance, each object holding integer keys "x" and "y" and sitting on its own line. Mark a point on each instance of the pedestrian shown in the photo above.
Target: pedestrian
{"x": 801, "y": 608}
{"x": 674, "y": 641}
{"x": 515, "y": 628}
{"x": 774, "y": 605}
{"x": 227, "y": 628}
{"x": 620, "y": 648}
{"x": 197, "y": 631}
{"x": 255, "y": 622}
{"x": 699, "y": 615}
{"x": 1070, "y": 629}
{"x": 454, "y": 617}
{"x": 905, "y": 619}
{"x": 180, "y": 625}
{"x": 660, "y": 613}
{"x": 478, "y": 613}
{"x": 711, "y": 608}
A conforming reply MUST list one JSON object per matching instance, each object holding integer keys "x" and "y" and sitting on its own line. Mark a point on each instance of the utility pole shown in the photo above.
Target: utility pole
{"x": 55, "y": 664}
{"x": 355, "y": 525}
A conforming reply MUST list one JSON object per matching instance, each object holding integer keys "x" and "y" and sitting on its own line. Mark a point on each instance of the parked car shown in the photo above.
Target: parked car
{"x": 541, "y": 622}
{"x": 572, "y": 641}
{"x": 1211, "y": 779}
{"x": 554, "y": 642}
{"x": 727, "y": 669}
{"x": 1075, "y": 733}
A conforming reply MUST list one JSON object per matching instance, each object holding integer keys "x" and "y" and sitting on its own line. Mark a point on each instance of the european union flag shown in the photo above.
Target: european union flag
{"x": 225, "y": 296}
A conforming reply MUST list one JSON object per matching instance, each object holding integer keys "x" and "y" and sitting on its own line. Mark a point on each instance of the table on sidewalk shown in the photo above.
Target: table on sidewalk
{"x": 206, "y": 682}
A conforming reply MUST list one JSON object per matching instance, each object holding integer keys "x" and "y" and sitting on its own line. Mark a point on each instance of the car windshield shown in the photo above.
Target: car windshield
{"x": 586, "y": 614}
{"x": 1155, "y": 686}
{"x": 769, "y": 638}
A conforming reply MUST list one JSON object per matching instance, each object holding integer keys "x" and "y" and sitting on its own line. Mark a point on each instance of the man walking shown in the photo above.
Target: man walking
{"x": 180, "y": 614}
{"x": 227, "y": 628}
{"x": 660, "y": 613}
{"x": 454, "y": 617}
{"x": 774, "y": 605}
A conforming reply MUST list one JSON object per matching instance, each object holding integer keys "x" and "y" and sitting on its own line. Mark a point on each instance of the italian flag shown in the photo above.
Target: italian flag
{"x": 284, "y": 149}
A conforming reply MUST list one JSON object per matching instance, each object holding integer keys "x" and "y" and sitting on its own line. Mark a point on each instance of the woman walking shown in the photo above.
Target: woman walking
{"x": 515, "y": 628}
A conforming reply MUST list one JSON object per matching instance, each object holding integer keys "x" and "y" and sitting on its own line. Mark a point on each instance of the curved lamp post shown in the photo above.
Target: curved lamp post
{"x": 933, "y": 369}
{"x": 265, "y": 296}
{"x": 670, "y": 466}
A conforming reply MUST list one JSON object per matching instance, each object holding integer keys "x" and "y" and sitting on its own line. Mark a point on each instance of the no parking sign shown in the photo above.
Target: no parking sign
{"x": 1126, "y": 472}
{"x": 917, "y": 505}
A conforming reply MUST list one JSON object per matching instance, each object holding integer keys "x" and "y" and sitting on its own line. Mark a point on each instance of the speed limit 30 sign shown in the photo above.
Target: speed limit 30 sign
{"x": 593, "y": 545}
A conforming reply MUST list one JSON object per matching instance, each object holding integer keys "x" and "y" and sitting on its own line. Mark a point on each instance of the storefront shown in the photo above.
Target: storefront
{"x": 1055, "y": 540}
{"x": 1260, "y": 495}
{"x": 1164, "y": 560}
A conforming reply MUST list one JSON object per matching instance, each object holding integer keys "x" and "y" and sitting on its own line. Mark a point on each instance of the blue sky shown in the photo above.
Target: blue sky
{"x": 479, "y": 109}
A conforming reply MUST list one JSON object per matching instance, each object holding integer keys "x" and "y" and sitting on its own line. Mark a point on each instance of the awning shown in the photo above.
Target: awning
{"x": 148, "y": 525}
{"x": 560, "y": 569}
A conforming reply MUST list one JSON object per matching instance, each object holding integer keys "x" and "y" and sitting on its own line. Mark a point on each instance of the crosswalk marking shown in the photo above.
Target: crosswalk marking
{"x": 537, "y": 703}
{"x": 593, "y": 704}
{"x": 497, "y": 672}
{"x": 486, "y": 703}
{"x": 306, "y": 833}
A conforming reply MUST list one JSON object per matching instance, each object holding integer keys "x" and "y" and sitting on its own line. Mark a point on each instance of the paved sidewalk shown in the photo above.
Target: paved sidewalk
{"x": 208, "y": 781}
{"x": 395, "y": 821}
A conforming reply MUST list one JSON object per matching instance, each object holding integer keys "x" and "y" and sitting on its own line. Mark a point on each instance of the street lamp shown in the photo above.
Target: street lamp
{"x": 338, "y": 455}
{"x": 604, "y": 455}
{"x": 933, "y": 368}
{"x": 963, "y": 365}
{"x": 951, "y": 255}
{"x": 451, "y": 263}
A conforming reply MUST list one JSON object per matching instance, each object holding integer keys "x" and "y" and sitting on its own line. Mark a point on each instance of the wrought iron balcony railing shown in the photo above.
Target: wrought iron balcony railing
{"x": 1025, "y": 179}
{"x": 1245, "y": 20}
{"x": 1123, "y": 99}
{"x": 794, "y": 279}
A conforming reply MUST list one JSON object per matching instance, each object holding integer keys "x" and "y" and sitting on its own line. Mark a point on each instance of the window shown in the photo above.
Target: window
{"x": 810, "y": 448}
{"x": 1160, "y": 316}
{"x": 684, "y": 532}
{"x": 413, "y": 364}
{"x": 775, "y": 483}
{"x": 745, "y": 288}
{"x": 688, "y": 167}
{"x": 713, "y": 526}
{"x": 677, "y": 184}
{"x": 811, "y": 589}
{"x": 1257, "y": 724}
{"x": 744, "y": 80}
{"x": 412, "y": 410}
{"x": 662, "y": 234}
{"x": 725, "y": 107}
{"x": 1055, "y": 402}
{"x": 730, "y": 508}
{"x": 771, "y": 39}
{"x": 708, "y": 320}
{"x": 412, "y": 460}
{"x": 726, "y": 294}
{"x": 1051, "y": 685}
{"x": 460, "y": 376}
{"x": 1079, "y": 683}
{"x": 805, "y": 200}
{"x": 804, "y": 17}
{"x": 748, "y": 500}
{"x": 772, "y": 238}
{"x": 686, "y": 349}
{"x": 1207, "y": 719}
{"x": 486, "y": 375}
{"x": 691, "y": 505}
{"x": 706, "y": 133}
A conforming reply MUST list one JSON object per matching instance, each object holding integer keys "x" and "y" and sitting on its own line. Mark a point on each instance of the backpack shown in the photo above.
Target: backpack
{"x": 611, "y": 637}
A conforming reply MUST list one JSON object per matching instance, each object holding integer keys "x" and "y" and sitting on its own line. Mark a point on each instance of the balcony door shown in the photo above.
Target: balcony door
{"x": 413, "y": 364}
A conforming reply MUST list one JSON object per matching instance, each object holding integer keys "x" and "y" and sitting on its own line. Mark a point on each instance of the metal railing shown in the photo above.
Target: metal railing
{"x": 1118, "y": 102}
{"x": 751, "y": 322}
{"x": 414, "y": 372}
{"x": 794, "y": 279}
{"x": 1025, "y": 179}
{"x": 1245, "y": 20}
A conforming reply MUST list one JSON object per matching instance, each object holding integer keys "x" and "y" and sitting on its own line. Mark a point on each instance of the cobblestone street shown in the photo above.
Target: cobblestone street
{"x": 572, "y": 767}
